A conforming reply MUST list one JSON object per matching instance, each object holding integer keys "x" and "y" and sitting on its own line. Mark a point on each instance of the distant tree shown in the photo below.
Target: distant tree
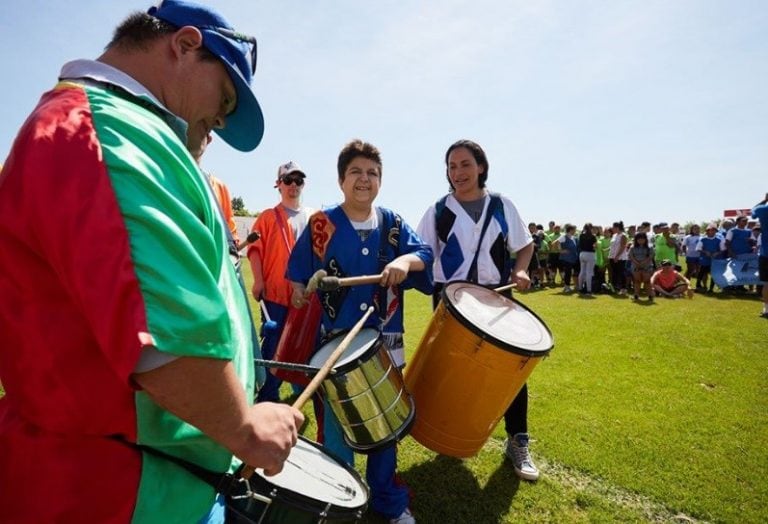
{"x": 238, "y": 207}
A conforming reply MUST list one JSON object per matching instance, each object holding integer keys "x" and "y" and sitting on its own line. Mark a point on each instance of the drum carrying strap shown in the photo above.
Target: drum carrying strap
{"x": 492, "y": 205}
{"x": 224, "y": 483}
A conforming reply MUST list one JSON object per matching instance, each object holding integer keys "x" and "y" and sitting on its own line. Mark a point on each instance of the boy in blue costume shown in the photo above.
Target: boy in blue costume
{"x": 352, "y": 239}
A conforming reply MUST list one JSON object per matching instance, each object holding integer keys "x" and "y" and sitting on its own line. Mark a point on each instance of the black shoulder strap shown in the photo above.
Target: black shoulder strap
{"x": 492, "y": 205}
{"x": 221, "y": 482}
{"x": 439, "y": 206}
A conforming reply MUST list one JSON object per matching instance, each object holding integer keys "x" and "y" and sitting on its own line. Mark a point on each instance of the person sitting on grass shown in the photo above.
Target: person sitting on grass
{"x": 669, "y": 282}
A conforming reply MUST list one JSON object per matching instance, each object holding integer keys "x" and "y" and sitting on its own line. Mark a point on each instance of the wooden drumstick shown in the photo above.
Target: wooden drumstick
{"x": 321, "y": 375}
{"x": 504, "y": 288}
{"x": 332, "y": 283}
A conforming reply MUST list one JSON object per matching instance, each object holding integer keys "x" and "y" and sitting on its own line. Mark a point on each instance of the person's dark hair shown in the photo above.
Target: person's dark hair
{"x": 139, "y": 29}
{"x": 587, "y": 229}
{"x": 641, "y": 235}
{"x": 354, "y": 149}
{"x": 619, "y": 225}
{"x": 479, "y": 155}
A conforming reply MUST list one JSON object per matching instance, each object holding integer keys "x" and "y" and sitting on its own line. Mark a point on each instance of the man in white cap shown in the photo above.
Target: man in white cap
{"x": 122, "y": 318}
{"x": 278, "y": 228}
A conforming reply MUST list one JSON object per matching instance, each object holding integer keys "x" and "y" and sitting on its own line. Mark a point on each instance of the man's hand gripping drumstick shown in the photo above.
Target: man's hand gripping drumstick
{"x": 321, "y": 374}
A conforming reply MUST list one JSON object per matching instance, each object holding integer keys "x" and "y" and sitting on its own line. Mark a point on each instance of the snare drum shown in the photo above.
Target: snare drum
{"x": 366, "y": 392}
{"x": 314, "y": 486}
{"x": 476, "y": 355}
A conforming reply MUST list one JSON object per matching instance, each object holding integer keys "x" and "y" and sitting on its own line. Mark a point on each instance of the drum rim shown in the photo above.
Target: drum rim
{"x": 352, "y": 364}
{"x": 506, "y": 346}
{"x": 308, "y": 504}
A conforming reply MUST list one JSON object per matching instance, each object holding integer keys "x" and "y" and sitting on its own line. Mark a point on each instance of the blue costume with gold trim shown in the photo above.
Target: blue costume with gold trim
{"x": 332, "y": 243}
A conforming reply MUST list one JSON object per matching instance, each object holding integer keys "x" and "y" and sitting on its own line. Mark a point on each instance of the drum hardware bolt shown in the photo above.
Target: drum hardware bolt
{"x": 250, "y": 494}
{"x": 324, "y": 514}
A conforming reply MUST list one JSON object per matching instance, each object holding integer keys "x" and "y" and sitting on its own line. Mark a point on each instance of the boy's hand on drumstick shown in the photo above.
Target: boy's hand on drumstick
{"x": 522, "y": 280}
{"x": 394, "y": 272}
{"x": 269, "y": 433}
{"x": 397, "y": 271}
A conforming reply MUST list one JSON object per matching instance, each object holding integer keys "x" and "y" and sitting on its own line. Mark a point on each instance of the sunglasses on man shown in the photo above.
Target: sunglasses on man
{"x": 240, "y": 37}
{"x": 292, "y": 179}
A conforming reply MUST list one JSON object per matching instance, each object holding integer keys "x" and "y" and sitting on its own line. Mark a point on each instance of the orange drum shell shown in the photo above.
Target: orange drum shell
{"x": 462, "y": 385}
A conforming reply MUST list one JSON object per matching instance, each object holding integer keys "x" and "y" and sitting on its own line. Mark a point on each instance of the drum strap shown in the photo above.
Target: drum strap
{"x": 492, "y": 205}
{"x": 224, "y": 483}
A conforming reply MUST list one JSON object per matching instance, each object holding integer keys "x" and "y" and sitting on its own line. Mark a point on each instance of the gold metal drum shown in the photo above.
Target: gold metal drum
{"x": 366, "y": 392}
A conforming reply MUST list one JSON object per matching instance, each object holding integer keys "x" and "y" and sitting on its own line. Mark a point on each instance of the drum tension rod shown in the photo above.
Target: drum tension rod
{"x": 324, "y": 514}
{"x": 288, "y": 365}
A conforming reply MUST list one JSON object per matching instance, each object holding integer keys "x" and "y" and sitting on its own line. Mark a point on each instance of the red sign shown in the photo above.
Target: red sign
{"x": 736, "y": 212}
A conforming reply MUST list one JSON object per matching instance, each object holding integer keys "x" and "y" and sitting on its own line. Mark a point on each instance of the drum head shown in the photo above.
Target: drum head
{"x": 363, "y": 341}
{"x": 311, "y": 472}
{"x": 504, "y": 320}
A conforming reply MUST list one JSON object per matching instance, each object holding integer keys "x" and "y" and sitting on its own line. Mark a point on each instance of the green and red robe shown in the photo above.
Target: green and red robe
{"x": 110, "y": 241}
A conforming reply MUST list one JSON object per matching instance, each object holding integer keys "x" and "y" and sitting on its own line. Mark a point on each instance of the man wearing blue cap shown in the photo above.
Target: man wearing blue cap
{"x": 122, "y": 317}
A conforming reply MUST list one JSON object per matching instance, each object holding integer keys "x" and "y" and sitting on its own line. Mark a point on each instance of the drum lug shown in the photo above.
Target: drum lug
{"x": 250, "y": 494}
{"x": 324, "y": 514}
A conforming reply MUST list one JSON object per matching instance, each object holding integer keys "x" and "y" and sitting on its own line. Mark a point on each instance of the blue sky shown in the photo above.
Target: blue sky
{"x": 588, "y": 110}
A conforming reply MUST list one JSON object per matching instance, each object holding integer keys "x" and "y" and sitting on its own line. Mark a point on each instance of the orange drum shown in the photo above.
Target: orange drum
{"x": 476, "y": 355}
{"x": 298, "y": 340}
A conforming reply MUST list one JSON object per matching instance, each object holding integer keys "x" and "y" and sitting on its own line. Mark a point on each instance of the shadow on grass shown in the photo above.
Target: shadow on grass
{"x": 445, "y": 490}
{"x": 734, "y": 295}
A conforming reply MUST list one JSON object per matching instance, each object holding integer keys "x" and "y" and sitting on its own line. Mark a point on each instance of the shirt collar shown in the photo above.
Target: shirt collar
{"x": 99, "y": 72}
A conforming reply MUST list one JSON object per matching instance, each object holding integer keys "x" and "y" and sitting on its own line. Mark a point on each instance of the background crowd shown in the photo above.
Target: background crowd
{"x": 619, "y": 259}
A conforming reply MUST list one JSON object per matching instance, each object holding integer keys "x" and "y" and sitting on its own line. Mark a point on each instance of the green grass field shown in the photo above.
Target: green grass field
{"x": 641, "y": 413}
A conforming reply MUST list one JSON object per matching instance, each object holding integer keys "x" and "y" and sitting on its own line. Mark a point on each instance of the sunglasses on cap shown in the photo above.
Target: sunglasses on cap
{"x": 292, "y": 179}
{"x": 240, "y": 37}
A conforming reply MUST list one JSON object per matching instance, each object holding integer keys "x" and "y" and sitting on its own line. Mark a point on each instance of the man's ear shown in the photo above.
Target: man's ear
{"x": 186, "y": 39}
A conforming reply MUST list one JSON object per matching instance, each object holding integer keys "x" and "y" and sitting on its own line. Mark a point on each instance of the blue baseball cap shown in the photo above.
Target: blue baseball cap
{"x": 245, "y": 125}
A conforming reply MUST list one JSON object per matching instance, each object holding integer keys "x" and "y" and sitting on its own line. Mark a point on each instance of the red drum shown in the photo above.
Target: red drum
{"x": 298, "y": 340}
